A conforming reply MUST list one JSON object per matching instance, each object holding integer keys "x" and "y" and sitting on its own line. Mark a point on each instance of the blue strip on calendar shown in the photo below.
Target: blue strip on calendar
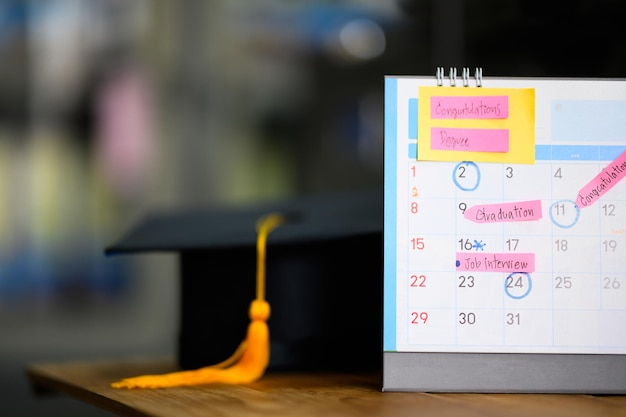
{"x": 563, "y": 152}
{"x": 412, "y": 118}
{"x": 588, "y": 120}
{"x": 390, "y": 221}
{"x": 577, "y": 152}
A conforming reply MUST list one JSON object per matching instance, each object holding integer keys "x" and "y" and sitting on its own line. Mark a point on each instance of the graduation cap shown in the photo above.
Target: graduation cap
{"x": 324, "y": 279}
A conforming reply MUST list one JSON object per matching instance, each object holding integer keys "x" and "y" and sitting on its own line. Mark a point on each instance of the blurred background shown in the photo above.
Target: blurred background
{"x": 112, "y": 109}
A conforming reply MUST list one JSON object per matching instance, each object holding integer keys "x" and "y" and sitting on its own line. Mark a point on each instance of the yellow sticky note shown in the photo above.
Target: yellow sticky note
{"x": 476, "y": 124}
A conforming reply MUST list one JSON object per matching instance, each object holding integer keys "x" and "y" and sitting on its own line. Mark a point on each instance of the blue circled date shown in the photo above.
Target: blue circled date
{"x": 564, "y": 213}
{"x": 466, "y": 176}
{"x": 511, "y": 283}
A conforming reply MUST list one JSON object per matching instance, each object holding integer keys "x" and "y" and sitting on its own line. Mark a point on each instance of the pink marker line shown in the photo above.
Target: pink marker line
{"x": 495, "y": 262}
{"x": 475, "y": 140}
{"x": 504, "y": 212}
{"x": 469, "y": 107}
{"x": 603, "y": 182}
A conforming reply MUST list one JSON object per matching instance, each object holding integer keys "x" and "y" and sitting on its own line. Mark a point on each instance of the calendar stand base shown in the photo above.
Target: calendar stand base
{"x": 504, "y": 373}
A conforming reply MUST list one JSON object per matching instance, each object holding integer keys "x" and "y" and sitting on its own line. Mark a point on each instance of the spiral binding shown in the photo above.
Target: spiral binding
{"x": 465, "y": 76}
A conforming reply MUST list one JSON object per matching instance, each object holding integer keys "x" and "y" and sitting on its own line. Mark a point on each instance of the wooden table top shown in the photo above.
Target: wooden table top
{"x": 293, "y": 394}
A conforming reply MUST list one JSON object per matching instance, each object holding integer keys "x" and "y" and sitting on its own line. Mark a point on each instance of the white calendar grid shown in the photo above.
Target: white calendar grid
{"x": 574, "y": 301}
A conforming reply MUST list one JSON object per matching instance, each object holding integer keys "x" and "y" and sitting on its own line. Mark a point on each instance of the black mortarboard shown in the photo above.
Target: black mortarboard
{"x": 324, "y": 279}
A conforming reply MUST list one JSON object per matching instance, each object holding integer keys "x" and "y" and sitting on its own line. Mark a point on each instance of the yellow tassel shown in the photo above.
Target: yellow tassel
{"x": 251, "y": 358}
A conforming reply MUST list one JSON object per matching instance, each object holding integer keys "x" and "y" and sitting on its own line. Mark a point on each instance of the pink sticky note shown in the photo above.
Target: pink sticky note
{"x": 469, "y": 107}
{"x": 603, "y": 182}
{"x": 495, "y": 262}
{"x": 476, "y": 140}
{"x": 519, "y": 211}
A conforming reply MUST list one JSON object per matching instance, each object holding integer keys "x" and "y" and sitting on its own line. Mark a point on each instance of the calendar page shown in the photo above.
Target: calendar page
{"x": 505, "y": 227}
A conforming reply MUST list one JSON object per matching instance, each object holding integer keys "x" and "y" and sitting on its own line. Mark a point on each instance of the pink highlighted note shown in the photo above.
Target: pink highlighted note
{"x": 469, "y": 107}
{"x": 476, "y": 140}
{"x": 504, "y": 212}
{"x": 603, "y": 182}
{"x": 495, "y": 262}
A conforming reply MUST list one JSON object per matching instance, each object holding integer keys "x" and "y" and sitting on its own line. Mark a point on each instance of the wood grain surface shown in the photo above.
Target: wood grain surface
{"x": 292, "y": 394}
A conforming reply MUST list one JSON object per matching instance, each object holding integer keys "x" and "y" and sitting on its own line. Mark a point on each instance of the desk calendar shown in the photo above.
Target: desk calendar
{"x": 504, "y": 235}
